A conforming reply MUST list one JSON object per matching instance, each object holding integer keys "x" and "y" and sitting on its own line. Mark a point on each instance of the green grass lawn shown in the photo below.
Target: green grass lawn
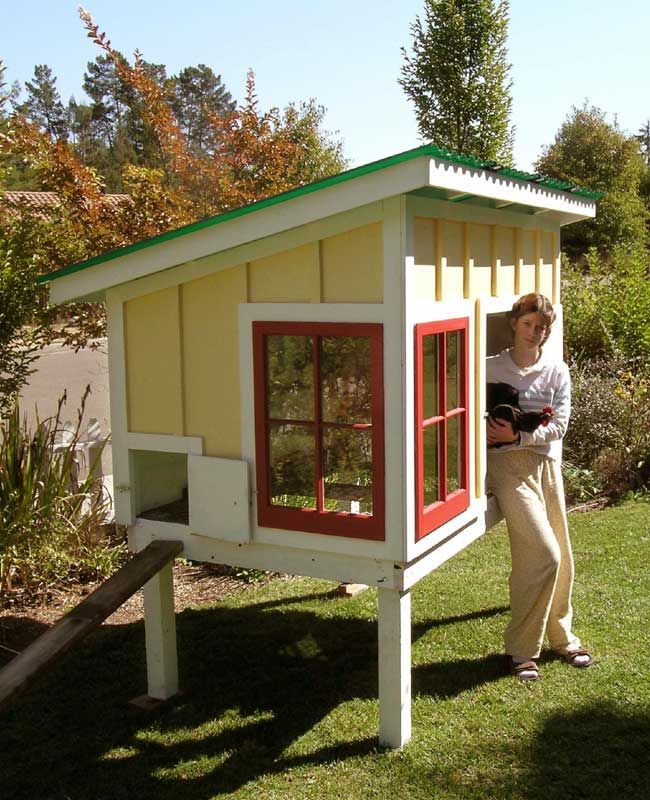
{"x": 281, "y": 689}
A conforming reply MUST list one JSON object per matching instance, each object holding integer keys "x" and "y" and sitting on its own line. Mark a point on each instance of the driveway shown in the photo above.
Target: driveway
{"x": 59, "y": 369}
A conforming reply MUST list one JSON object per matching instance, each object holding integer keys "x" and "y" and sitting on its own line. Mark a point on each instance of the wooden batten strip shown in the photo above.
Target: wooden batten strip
{"x": 495, "y": 262}
{"x": 440, "y": 259}
{"x": 539, "y": 260}
{"x": 467, "y": 262}
{"x": 518, "y": 260}
{"x": 181, "y": 351}
{"x": 479, "y": 371}
{"x": 557, "y": 261}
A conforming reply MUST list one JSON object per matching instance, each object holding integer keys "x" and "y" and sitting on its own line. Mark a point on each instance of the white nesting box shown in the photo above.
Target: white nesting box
{"x": 298, "y": 385}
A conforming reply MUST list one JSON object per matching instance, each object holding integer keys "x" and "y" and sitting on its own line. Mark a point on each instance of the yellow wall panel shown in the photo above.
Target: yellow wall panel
{"x": 153, "y": 363}
{"x": 424, "y": 249}
{"x": 453, "y": 250}
{"x": 353, "y": 266}
{"x": 527, "y": 280}
{"x": 481, "y": 260}
{"x": 505, "y": 244}
{"x": 289, "y": 277}
{"x": 547, "y": 254}
{"x": 211, "y": 360}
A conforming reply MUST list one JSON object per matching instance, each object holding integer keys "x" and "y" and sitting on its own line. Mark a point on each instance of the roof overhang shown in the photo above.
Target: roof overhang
{"x": 414, "y": 172}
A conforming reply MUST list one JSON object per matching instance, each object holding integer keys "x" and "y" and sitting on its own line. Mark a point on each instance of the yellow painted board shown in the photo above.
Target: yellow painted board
{"x": 424, "y": 245}
{"x": 289, "y": 277}
{"x": 480, "y": 253}
{"x": 153, "y": 363}
{"x": 505, "y": 246}
{"x": 211, "y": 360}
{"x": 547, "y": 259}
{"x": 352, "y": 266}
{"x": 453, "y": 251}
{"x": 527, "y": 277}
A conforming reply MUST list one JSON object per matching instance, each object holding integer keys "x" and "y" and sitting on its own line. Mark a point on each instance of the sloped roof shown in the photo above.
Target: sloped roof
{"x": 477, "y": 176}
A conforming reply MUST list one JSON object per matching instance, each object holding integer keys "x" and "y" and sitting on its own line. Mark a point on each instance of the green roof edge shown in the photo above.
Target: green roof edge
{"x": 323, "y": 183}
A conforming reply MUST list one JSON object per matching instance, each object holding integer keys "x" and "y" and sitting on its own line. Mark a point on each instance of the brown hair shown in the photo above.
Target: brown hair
{"x": 534, "y": 303}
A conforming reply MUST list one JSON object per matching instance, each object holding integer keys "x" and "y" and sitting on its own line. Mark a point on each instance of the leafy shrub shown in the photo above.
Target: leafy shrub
{"x": 51, "y": 522}
{"x": 609, "y": 434}
{"x": 607, "y": 305}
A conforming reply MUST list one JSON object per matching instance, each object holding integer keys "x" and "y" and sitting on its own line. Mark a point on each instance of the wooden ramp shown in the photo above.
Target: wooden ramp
{"x": 83, "y": 619}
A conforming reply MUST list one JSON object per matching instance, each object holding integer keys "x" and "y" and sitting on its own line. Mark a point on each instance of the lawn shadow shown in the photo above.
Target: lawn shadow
{"x": 256, "y": 680}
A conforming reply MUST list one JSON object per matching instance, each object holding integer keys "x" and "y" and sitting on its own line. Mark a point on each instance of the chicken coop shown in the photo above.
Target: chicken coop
{"x": 299, "y": 385}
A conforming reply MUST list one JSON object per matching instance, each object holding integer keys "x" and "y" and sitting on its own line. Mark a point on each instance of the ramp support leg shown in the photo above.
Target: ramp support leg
{"x": 394, "y": 667}
{"x": 160, "y": 635}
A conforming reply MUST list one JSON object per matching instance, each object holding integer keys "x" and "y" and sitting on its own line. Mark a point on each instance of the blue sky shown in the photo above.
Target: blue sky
{"x": 347, "y": 56}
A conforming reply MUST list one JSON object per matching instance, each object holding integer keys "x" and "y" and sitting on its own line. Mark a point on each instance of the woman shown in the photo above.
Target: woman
{"x": 524, "y": 475}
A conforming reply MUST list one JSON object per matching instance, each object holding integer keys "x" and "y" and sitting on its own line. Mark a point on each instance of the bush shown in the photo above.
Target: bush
{"x": 51, "y": 522}
{"x": 608, "y": 441}
{"x": 607, "y": 305}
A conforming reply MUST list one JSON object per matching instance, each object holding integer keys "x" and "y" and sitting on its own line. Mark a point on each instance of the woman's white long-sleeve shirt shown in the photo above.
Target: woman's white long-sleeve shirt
{"x": 545, "y": 383}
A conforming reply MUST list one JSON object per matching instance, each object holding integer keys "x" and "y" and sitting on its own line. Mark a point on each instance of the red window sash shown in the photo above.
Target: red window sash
{"x": 319, "y": 520}
{"x": 453, "y": 503}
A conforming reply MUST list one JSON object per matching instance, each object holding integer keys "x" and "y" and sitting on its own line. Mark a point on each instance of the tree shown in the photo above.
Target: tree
{"x": 196, "y": 92}
{"x": 643, "y": 138}
{"x": 594, "y": 153}
{"x": 457, "y": 77}
{"x": 43, "y": 105}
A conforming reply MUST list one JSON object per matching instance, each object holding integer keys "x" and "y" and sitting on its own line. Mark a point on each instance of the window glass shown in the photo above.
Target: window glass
{"x": 292, "y": 460}
{"x": 453, "y": 369}
{"x": 430, "y": 465}
{"x": 345, "y": 379}
{"x": 430, "y": 376}
{"x": 347, "y": 470}
{"x": 453, "y": 453}
{"x": 290, "y": 379}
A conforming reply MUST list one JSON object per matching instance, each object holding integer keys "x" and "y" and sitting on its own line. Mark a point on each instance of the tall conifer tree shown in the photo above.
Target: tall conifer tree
{"x": 457, "y": 76}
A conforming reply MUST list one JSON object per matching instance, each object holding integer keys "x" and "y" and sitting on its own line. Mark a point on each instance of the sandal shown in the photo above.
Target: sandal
{"x": 519, "y": 670}
{"x": 570, "y": 657}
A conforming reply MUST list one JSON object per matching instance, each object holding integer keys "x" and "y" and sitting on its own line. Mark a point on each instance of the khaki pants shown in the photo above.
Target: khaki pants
{"x": 530, "y": 492}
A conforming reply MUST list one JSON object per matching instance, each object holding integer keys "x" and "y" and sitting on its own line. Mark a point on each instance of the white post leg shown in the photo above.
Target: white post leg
{"x": 160, "y": 635}
{"x": 394, "y": 667}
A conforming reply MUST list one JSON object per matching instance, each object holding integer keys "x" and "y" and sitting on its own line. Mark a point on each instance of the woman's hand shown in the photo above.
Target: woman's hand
{"x": 500, "y": 432}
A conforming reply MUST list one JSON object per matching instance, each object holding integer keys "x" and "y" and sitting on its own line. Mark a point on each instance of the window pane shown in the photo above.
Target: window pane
{"x": 454, "y": 452}
{"x": 289, "y": 369}
{"x": 292, "y": 463}
{"x": 453, "y": 370}
{"x": 347, "y": 470}
{"x": 430, "y": 377}
{"x": 345, "y": 379}
{"x": 430, "y": 478}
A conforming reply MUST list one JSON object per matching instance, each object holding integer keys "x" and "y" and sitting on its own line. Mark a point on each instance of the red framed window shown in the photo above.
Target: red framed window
{"x": 441, "y": 422}
{"x": 319, "y": 427}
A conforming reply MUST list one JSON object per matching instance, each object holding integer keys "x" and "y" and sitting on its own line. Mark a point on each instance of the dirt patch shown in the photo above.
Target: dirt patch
{"x": 22, "y": 619}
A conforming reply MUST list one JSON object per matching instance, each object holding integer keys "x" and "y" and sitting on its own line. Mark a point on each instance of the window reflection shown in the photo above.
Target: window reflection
{"x": 347, "y": 470}
{"x": 430, "y": 376}
{"x": 430, "y": 465}
{"x": 345, "y": 379}
{"x": 292, "y": 459}
{"x": 453, "y": 453}
{"x": 453, "y": 370}
{"x": 290, "y": 379}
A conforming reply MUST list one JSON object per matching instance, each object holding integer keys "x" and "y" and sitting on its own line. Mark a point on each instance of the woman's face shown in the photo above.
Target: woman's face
{"x": 530, "y": 330}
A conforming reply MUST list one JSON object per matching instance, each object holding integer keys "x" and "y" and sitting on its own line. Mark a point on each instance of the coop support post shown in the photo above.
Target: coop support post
{"x": 160, "y": 635}
{"x": 394, "y": 667}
